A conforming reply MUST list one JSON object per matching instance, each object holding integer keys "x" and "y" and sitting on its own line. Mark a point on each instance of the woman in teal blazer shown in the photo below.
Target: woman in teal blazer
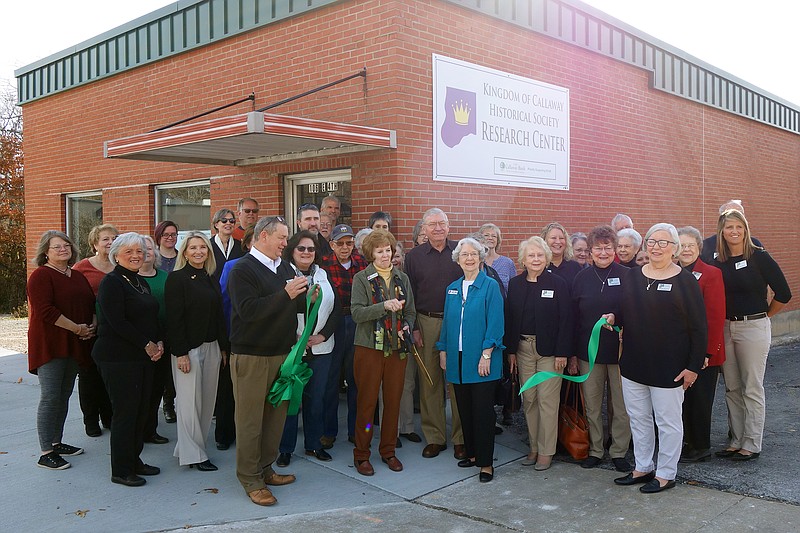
{"x": 470, "y": 351}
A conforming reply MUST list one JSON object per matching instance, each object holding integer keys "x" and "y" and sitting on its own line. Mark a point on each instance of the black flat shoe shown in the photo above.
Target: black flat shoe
{"x": 630, "y": 480}
{"x": 466, "y": 463}
{"x": 411, "y": 437}
{"x": 726, "y": 453}
{"x": 93, "y": 430}
{"x": 590, "y": 462}
{"x": 284, "y": 459}
{"x": 205, "y": 466}
{"x": 320, "y": 454}
{"x": 155, "y": 438}
{"x": 739, "y": 456}
{"x": 654, "y": 486}
{"x": 223, "y": 446}
{"x": 131, "y": 480}
{"x": 621, "y": 464}
{"x": 169, "y": 415}
{"x": 486, "y": 477}
{"x": 399, "y": 443}
{"x": 147, "y": 470}
{"x": 695, "y": 456}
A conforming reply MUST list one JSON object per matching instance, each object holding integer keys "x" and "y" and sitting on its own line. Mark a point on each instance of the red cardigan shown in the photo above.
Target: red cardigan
{"x": 713, "y": 289}
{"x": 50, "y": 295}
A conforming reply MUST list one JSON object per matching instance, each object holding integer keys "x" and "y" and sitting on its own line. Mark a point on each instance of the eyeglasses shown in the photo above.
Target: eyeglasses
{"x": 662, "y": 243}
{"x": 248, "y": 211}
{"x": 309, "y": 249}
{"x": 466, "y": 255}
{"x": 580, "y": 252}
{"x": 169, "y": 235}
{"x": 227, "y": 220}
{"x": 343, "y": 244}
{"x": 440, "y": 224}
{"x": 599, "y": 250}
{"x": 689, "y": 245}
{"x": 60, "y": 247}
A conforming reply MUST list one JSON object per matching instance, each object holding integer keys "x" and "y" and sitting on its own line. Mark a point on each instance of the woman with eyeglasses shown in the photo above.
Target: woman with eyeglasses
{"x": 748, "y": 271}
{"x": 301, "y": 253}
{"x": 166, "y": 237}
{"x": 699, "y": 398}
{"x": 95, "y": 404}
{"x": 60, "y": 325}
{"x": 224, "y": 246}
{"x": 198, "y": 341}
{"x": 471, "y": 352}
{"x": 581, "y": 251}
{"x": 597, "y": 290}
{"x": 664, "y": 343}
{"x": 383, "y": 311}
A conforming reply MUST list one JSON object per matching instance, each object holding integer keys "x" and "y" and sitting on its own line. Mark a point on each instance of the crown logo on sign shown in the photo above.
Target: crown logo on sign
{"x": 461, "y": 111}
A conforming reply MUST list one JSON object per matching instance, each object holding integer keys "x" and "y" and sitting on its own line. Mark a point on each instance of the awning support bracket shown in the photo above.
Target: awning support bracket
{"x": 360, "y": 74}
{"x": 251, "y": 97}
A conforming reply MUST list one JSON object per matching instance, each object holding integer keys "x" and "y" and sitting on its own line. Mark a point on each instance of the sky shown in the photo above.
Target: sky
{"x": 754, "y": 41}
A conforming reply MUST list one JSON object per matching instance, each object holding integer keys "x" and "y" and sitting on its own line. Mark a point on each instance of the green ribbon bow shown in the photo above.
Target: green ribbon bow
{"x": 594, "y": 344}
{"x": 294, "y": 373}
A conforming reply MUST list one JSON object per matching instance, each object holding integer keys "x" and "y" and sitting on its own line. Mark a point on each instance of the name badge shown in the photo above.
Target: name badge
{"x": 452, "y": 291}
{"x": 613, "y": 282}
{"x": 667, "y": 287}
{"x": 741, "y": 264}
{"x": 697, "y": 275}
{"x": 715, "y": 255}
{"x": 372, "y": 276}
{"x": 548, "y": 294}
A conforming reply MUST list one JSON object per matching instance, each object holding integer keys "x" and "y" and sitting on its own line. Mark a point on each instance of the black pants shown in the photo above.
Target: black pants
{"x": 225, "y": 428}
{"x": 95, "y": 404}
{"x": 476, "y": 409}
{"x": 162, "y": 373}
{"x": 129, "y": 387}
{"x": 698, "y": 401}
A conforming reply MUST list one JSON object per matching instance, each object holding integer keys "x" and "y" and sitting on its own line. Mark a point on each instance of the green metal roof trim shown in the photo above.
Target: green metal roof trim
{"x": 168, "y": 31}
{"x": 673, "y": 70}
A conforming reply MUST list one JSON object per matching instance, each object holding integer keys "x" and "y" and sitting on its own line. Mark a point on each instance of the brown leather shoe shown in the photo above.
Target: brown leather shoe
{"x": 432, "y": 450}
{"x": 365, "y": 468}
{"x": 277, "y": 480}
{"x": 262, "y": 497}
{"x": 394, "y": 463}
{"x": 460, "y": 451}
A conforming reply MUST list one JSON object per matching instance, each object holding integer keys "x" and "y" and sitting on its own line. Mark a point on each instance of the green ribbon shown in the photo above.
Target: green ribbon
{"x": 594, "y": 344}
{"x": 294, "y": 373}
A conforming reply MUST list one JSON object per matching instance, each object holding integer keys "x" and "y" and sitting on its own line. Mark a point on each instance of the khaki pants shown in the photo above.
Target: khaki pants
{"x": 406, "y": 423}
{"x": 259, "y": 425}
{"x": 746, "y": 349}
{"x": 195, "y": 396}
{"x": 539, "y": 403}
{"x": 431, "y": 397}
{"x": 619, "y": 426}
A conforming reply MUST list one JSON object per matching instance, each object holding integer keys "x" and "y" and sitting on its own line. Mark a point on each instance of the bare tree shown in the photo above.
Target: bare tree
{"x": 12, "y": 204}
{"x": 10, "y": 112}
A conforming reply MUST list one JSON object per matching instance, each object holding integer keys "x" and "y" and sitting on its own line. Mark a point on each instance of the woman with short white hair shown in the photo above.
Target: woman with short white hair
{"x": 663, "y": 347}
{"x": 629, "y": 242}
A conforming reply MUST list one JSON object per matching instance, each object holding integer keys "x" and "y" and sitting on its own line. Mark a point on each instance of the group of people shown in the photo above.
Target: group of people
{"x": 213, "y": 321}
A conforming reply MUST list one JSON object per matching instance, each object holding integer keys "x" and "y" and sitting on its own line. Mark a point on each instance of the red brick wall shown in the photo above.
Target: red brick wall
{"x": 634, "y": 150}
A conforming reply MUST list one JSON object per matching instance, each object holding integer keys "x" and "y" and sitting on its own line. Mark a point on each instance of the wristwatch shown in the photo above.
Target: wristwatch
{"x": 486, "y": 356}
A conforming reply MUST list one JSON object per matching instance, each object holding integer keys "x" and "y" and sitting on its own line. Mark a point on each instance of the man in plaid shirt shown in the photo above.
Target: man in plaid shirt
{"x": 341, "y": 265}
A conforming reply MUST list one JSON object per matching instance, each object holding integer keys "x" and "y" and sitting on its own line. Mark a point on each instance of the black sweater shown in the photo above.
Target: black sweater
{"x": 128, "y": 319}
{"x": 219, "y": 256}
{"x": 746, "y": 284}
{"x": 263, "y": 317}
{"x": 664, "y": 328}
{"x": 194, "y": 311}
{"x": 595, "y": 292}
{"x": 552, "y": 309}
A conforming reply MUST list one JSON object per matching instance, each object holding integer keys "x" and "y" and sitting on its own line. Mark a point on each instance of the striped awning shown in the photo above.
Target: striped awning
{"x": 250, "y": 139}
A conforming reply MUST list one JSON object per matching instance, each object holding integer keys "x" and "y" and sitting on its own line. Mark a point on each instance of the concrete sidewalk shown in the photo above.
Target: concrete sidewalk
{"x": 429, "y": 495}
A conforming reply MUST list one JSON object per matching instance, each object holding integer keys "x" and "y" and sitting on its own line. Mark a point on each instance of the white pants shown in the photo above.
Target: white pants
{"x": 746, "y": 349}
{"x": 643, "y": 403}
{"x": 195, "y": 396}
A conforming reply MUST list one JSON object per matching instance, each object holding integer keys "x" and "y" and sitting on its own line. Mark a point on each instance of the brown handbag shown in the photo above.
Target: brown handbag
{"x": 573, "y": 429}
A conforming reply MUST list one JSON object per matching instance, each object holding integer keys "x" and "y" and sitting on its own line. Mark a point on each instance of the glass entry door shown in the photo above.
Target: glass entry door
{"x": 313, "y": 187}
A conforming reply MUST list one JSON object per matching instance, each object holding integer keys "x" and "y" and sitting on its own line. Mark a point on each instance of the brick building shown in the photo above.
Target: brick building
{"x": 652, "y": 132}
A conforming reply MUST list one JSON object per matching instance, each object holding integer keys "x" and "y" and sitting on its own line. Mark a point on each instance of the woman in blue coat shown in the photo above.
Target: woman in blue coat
{"x": 470, "y": 351}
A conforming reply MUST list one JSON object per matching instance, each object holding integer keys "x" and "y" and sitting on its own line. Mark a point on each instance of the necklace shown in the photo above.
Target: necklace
{"x": 602, "y": 281}
{"x": 650, "y": 282}
{"x": 65, "y": 271}
{"x": 138, "y": 287}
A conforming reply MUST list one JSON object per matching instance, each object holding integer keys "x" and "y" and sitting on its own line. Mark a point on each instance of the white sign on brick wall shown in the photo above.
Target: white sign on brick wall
{"x": 495, "y": 128}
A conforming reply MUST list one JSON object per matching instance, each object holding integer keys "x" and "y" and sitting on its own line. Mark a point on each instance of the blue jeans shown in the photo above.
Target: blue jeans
{"x": 342, "y": 354}
{"x": 313, "y": 404}
{"x": 56, "y": 382}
